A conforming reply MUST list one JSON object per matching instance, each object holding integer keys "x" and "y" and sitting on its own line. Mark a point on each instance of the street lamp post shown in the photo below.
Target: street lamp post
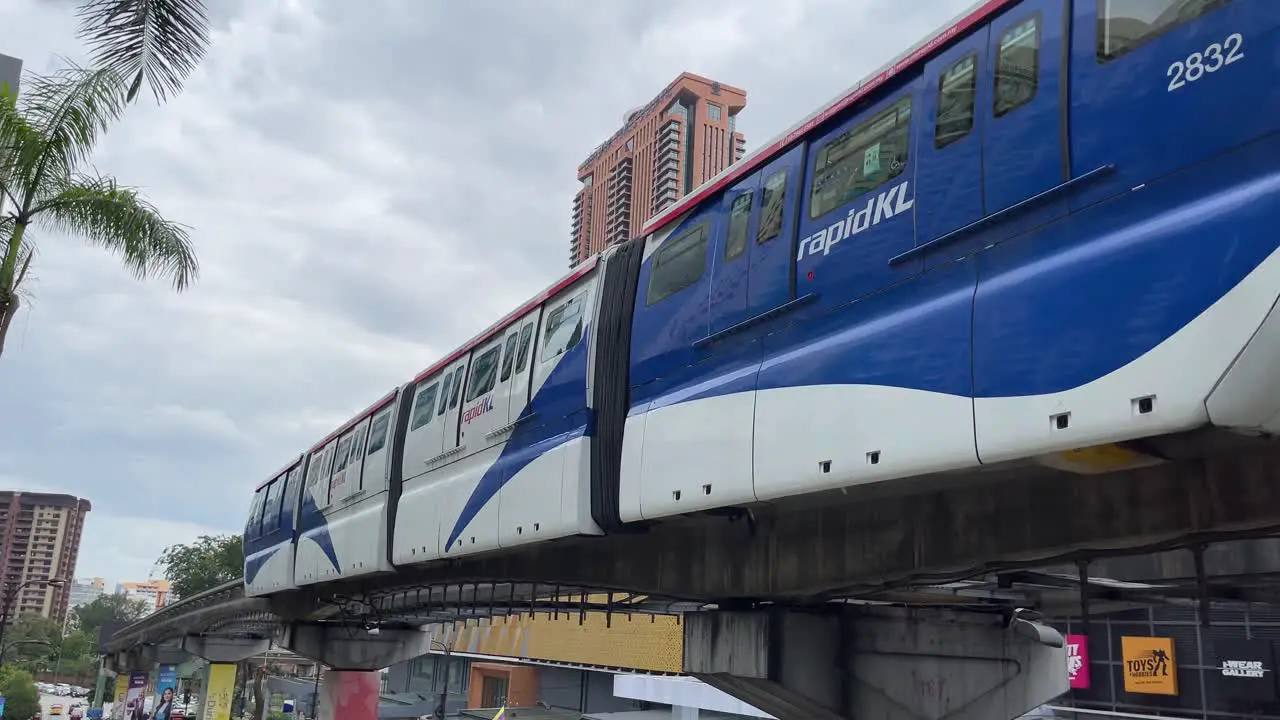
{"x": 8, "y": 605}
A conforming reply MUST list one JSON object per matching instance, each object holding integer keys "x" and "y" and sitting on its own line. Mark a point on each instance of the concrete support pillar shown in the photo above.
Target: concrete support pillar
{"x": 881, "y": 663}
{"x": 349, "y": 695}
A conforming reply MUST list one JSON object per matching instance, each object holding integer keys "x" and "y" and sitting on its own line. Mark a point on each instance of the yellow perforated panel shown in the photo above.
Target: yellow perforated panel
{"x": 640, "y": 642}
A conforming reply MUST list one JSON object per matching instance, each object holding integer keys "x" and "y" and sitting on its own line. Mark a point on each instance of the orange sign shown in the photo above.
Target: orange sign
{"x": 1150, "y": 667}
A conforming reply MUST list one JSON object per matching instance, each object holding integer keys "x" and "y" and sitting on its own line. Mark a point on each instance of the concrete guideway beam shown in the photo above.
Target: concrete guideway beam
{"x": 882, "y": 663}
{"x": 1013, "y": 515}
{"x": 217, "y": 649}
{"x": 354, "y": 647}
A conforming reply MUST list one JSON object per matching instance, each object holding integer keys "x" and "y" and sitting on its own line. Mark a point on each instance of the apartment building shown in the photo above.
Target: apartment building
{"x": 684, "y": 136}
{"x": 155, "y": 593}
{"x": 40, "y": 540}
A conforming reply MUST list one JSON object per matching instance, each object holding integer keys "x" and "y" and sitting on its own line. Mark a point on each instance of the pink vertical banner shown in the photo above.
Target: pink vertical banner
{"x": 350, "y": 695}
{"x": 1078, "y": 661}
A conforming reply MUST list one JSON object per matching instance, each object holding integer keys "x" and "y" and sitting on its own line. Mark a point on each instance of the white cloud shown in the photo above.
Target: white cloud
{"x": 368, "y": 184}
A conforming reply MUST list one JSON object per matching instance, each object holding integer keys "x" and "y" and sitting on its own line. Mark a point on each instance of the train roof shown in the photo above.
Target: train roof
{"x": 549, "y": 292}
{"x": 286, "y": 468}
{"x": 919, "y": 52}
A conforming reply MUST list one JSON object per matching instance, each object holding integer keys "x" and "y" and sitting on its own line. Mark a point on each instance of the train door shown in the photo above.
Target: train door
{"x": 949, "y": 143}
{"x": 450, "y": 402}
{"x": 773, "y": 242}
{"x": 1023, "y": 137}
{"x": 1158, "y": 85}
{"x": 729, "y": 267}
{"x": 484, "y": 397}
{"x": 373, "y": 476}
{"x": 520, "y": 371}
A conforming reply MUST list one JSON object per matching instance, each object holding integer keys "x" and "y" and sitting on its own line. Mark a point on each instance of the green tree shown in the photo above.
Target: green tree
{"x": 202, "y": 565}
{"x": 21, "y": 698}
{"x": 159, "y": 41}
{"x": 46, "y": 137}
{"x": 91, "y": 616}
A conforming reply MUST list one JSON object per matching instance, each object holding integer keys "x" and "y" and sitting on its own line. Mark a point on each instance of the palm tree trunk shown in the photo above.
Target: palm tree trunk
{"x": 8, "y": 309}
{"x": 8, "y": 284}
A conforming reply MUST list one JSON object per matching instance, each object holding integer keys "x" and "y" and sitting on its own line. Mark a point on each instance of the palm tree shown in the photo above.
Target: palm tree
{"x": 46, "y": 138}
{"x": 159, "y": 41}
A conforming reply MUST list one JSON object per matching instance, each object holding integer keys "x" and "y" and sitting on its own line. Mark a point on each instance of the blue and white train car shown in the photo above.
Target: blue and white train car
{"x": 1048, "y": 227}
{"x": 344, "y": 523}
{"x": 269, "y": 536}
{"x": 496, "y": 452}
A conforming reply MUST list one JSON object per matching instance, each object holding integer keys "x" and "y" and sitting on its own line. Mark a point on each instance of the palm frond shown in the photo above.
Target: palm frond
{"x": 116, "y": 218}
{"x": 54, "y": 126}
{"x": 161, "y": 41}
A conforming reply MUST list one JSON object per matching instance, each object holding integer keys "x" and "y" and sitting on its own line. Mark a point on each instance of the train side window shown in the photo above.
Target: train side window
{"x": 1018, "y": 66}
{"x": 313, "y": 468}
{"x": 378, "y": 431}
{"x": 484, "y": 373}
{"x": 445, "y": 384}
{"x": 423, "y": 407}
{"x": 773, "y": 200}
{"x": 271, "y": 508}
{"x": 526, "y": 342}
{"x": 861, "y": 159}
{"x": 957, "y": 90}
{"x": 678, "y": 264}
{"x": 456, "y": 392}
{"x": 344, "y": 453}
{"x": 564, "y": 328}
{"x": 739, "y": 218}
{"x": 509, "y": 355}
{"x": 290, "y": 491}
{"x": 1124, "y": 25}
{"x": 255, "y": 514}
{"x": 357, "y": 444}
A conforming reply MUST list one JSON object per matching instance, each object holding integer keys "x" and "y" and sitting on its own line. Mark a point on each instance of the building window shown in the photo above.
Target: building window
{"x": 631, "y": 144}
{"x": 713, "y": 112}
{"x": 586, "y": 181}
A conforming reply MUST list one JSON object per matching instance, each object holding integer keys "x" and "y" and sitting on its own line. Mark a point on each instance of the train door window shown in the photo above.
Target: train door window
{"x": 313, "y": 472}
{"x": 1124, "y": 25}
{"x": 456, "y": 391}
{"x": 255, "y": 514}
{"x": 526, "y": 342}
{"x": 564, "y": 327}
{"x": 378, "y": 431}
{"x": 289, "y": 502}
{"x": 271, "y": 513}
{"x": 773, "y": 201}
{"x": 484, "y": 373}
{"x": 957, "y": 96}
{"x": 343, "y": 453}
{"x": 739, "y": 222}
{"x": 1017, "y": 66}
{"x": 445, "y": 386}
{"x": 424, "y": 406}
{"x": 326, "y": 466}
{"x": 678, "y": 264}
{"x": 509, "y": 355}
{"x": 861, "y": 160}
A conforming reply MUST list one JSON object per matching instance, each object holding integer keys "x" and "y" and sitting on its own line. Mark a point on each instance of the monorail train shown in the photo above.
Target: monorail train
{"x": 1052, "y": 225}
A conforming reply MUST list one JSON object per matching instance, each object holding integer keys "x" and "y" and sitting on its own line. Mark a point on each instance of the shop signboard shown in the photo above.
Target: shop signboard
{"x": 1078, "y": 661}
{"x": 1246, "y": 669}
{"x": 1150, "y": 666}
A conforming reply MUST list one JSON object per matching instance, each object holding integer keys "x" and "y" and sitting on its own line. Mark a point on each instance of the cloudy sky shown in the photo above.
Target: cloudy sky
{"x": 369, "y": 183}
